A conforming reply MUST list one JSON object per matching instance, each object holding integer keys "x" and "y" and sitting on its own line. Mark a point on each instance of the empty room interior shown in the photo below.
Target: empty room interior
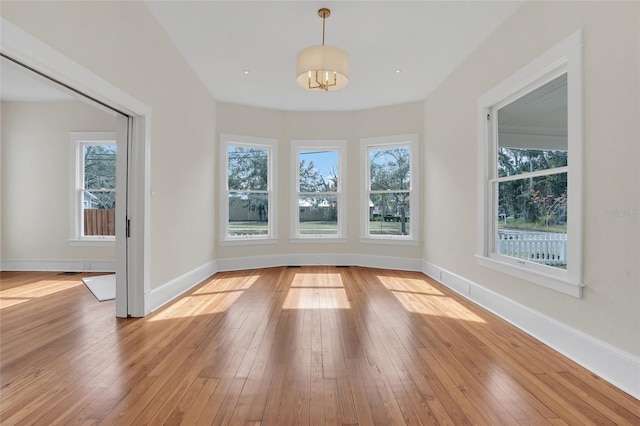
{"x": 305, "y": 212}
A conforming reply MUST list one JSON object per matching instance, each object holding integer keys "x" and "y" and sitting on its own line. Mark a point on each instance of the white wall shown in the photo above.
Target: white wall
{"x": 123, "y": 43}
{"x": 352, "y": 126}
{"x": 35, "y": 180}
{"x": 609, "y": 309}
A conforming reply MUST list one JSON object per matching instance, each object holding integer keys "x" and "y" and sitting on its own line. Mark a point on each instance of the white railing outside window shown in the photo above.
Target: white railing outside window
{"x": 541, "y": 247}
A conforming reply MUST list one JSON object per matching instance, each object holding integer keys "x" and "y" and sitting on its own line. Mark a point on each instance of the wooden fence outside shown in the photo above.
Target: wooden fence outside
{"x": 99, "y": 222}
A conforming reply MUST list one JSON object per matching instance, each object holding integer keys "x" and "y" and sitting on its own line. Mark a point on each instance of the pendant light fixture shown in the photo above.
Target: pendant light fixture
{"x": 322, "y": 68}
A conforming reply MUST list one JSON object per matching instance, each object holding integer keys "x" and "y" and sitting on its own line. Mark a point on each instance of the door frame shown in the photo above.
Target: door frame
{"x": 134, "y": 123}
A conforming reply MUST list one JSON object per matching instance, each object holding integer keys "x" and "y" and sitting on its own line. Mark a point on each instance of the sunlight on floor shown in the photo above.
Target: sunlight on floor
{"x": 409, "y": 285}
{"x": 420, "y": 297}
{"x": 199, "y": 304}
{"x": 25, "y": 293}
{"x": 214, "y": 297}
{"x": 219, "y": 285}
{"x": 440, "y": 306}
{"x": 315, "y": 279}
{"x": 317, "y": 291}
{"x": 316, "y": 298}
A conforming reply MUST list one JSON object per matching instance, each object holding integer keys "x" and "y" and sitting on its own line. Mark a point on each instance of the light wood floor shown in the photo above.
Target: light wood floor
{"x": 280, "y": 346}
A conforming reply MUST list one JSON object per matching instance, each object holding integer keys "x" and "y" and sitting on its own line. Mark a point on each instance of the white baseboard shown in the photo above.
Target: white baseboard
{"x": 612, "y": 364}
{"x": 87, "y": 265}
{"x": 164, "y": 294}
{"x": 302, "y": 259}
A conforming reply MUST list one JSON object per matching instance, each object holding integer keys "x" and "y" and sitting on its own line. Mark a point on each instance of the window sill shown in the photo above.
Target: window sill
{"x": 95, "y": 242}
{"x": 248, "y": 241}
{"x": 552, "y": 282}
{"x": 398, "y": 241}
{"x": 317, "y": 240}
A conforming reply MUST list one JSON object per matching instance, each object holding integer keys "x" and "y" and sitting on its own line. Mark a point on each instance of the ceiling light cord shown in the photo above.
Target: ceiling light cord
{"x": 324, "y": 15}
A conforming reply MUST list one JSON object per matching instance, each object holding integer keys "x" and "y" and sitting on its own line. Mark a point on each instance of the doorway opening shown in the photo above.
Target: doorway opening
{"x": 131, "y": 261}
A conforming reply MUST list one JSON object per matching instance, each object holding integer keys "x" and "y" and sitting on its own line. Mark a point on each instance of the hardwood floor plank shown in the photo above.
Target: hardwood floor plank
{"x": 361, "y": 401}
{"x": 187, "y": 401}
{"x": 63, "y": 406}
{"x": 317, "y": 413}
{"x": 622, "y": 410}
{"x": 330, "y": 396}
{"x": 287, "y": 412}
{"x": 199, "y": 403}
{"x": 285, "y": 346}
{"x": 433, "y": 405}
{"x": 225, "y": 412}
{"x": 211, "y": 408}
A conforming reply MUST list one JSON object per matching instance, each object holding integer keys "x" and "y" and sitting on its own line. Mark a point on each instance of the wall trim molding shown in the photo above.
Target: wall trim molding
{"x": 59, "y": 265}
{"x": 169, "y": 291}
{"x": 308, "y": 259}
{"x": 614, "y": 365}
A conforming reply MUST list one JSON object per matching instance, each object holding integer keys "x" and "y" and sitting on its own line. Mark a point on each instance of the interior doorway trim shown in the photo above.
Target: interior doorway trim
{"x": 21, "y": 46}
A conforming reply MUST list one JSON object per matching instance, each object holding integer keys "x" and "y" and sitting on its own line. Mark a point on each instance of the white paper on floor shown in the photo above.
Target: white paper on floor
{"x": 103, "y": 287}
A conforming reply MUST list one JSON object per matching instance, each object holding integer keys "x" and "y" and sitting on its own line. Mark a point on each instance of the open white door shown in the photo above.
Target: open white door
{"x": 122, "y": 221}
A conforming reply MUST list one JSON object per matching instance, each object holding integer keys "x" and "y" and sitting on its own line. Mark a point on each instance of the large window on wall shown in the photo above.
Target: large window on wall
{"x": 248, "y": 179}
{"x": 93, "y": 187}
{"x": 319, "y": 204}
{"x": 531, "y": 149}
{"x": 390, "y": 194}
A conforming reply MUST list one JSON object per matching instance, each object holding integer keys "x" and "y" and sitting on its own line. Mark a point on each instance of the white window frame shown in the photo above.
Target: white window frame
{"x": 340, "y": 146}
{"x": 78, "y": 140}
{"x": 271, "y": 145}
{"x": 566, "y": 57}
{"x": 410, "y": 140}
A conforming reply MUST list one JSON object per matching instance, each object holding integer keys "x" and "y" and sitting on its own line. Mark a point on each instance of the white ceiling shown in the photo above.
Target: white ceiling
{"x": 426, "y": 40}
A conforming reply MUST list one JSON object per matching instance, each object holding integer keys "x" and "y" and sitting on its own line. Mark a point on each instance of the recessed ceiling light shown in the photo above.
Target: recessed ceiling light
{"x": 245, "y": 72}
{"x": 398, "y": 71}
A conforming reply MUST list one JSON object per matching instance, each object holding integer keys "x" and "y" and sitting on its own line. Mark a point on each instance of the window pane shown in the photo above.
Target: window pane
{"x": 318, "y": 215}
{"x": 318, "y": 171}
{"x": 248, "y": 214}
{"x": 389, "y": 214}
{"x": 248, "y": 168}
{"x": 389, "y": 168}
{"x": 517, "y": 161}
{"x": 532, "y": 130}
{"x": 99, "y": 199}
{"x": 99, "y": 214}
{"x": 99, "y": 166}
{"x": 532, "y": 219}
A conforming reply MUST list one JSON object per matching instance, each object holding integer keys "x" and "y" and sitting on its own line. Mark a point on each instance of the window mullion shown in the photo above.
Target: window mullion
{"x": 318, "y": 194}
{"x": 539, "y": 173}
{"x": 250, "y": 191}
